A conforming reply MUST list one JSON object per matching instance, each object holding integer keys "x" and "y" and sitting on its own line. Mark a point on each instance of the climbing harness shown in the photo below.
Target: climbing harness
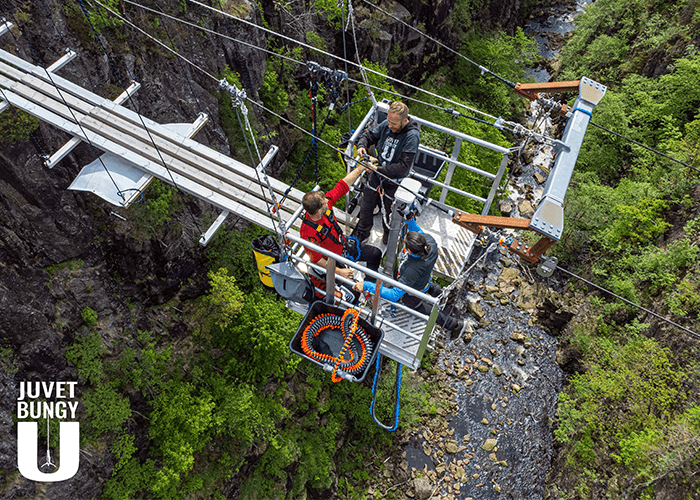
{"x": 397, "y": 390}
{"x": 357, "y": 349}
{"x": 350, "y": 244}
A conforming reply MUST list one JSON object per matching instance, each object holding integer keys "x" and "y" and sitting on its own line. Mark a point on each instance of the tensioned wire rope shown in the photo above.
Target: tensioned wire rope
{"x": 630, "y": 302}
{"x": 261, "y": 106}
{"x": 236, "y": 102}
{"x": 133, "y": 103}
{"x": 272, "y": 32}
{"x": 481, "y": 68}
{"x": 500, "y": 124}
{"x": 513, "y": 85}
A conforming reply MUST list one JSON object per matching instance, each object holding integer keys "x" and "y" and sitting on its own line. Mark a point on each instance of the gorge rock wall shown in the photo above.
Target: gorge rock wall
{"x": 62, "y": 251}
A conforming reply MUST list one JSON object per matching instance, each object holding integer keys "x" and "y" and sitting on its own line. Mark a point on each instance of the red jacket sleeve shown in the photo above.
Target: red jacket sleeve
{"x": 340, "y": 190}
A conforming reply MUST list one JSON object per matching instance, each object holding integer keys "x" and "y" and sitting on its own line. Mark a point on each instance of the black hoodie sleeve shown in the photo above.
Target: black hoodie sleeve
{"x": 368, "y": 137}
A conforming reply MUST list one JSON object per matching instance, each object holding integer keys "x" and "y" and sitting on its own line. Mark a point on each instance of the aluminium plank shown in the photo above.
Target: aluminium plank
{"x": 173, "y": 156}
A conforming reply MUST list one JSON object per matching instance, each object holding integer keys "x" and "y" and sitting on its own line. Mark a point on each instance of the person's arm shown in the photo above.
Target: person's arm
{"x": 368, "y": 137}
{"x": 345, "y": 273}
{"x": 412, "y": 225}
{"x": 354, "y": 174}
{"x": 387, "y": 292}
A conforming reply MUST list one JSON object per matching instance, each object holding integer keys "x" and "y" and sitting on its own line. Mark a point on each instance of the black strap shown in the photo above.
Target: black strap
{"x": 324, "y": 231}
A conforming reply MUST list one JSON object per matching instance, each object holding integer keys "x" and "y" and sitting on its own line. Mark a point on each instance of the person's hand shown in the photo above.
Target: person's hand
{"x": 345, "y": 273}
{"x": 361, "y": 151}
{"x": 357, "y": 287}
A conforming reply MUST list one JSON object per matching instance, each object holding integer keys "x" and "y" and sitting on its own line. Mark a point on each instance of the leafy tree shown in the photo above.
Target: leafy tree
{"x": 86, "y": 354}
{"x": 179, "y": 426}
{"x": 106, "y": 409}
{"x": 225, "y": 297}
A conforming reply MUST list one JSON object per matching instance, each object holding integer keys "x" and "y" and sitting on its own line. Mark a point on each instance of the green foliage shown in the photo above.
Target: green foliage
{"x": 637, "y": 380}
{"x": 639, "y": 223}
{"x": 17, "y": 125}
{"x": 315, "y": 40}
{"x": 615, "y": 38}
{"x": 101, "y": 18}
{"x": 131, "y": 480}
{"x": 160, "y": 202}
{"x": 233, "y": 250}
{"x": 225, "y": 297}
{"x": 106, "y": 408}
{"x": 89, "y": 317}
{"x": 71, "y": 265}
{"x": 332, "y": 12}
{"x": 261, "y": 333}
{"x": 273, "y": 94}
{"x": 144, "y": 369}
{"x": 685, "y": 301}
{"x": 8, "y": 362}
{"x": 233, "y": 122}
{"x": 178, "y": 425}
{"x": 123, "y": 449}
{"x": 86, "y": 354}
{"x": 506, "y": 56}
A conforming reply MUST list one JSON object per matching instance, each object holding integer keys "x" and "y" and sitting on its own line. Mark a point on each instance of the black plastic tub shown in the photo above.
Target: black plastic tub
{"x": 330, "y": 341}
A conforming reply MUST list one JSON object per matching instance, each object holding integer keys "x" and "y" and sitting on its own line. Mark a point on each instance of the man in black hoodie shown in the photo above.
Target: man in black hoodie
{"x": 397, "y": 139}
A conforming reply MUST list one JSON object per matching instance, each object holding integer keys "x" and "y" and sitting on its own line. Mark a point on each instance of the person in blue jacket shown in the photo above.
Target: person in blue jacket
{"x": 415, "y": 271}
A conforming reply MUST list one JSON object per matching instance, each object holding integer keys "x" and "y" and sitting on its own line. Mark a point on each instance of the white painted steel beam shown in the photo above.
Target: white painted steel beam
{"x": 55, "y": 158}
{"x": 204, "y": 239}
{"x": 67, "y": 57}
{"x": 5, "y": 27}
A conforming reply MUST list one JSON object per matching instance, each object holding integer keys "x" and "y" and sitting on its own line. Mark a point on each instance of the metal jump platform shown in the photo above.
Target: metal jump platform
{"x": 407, "y": 334}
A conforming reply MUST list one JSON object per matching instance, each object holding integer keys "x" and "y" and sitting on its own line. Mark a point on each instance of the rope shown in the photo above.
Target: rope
{"x": 645, "y": 147}
{"x": 365, "y": 80}
{"x": 237, "y": 101}
{"x": 397, "y": 388}
{"x": 630, "y": 303}
{"x": 356, "y": 340}
{"x": 247, "y": 81}
{"x": 261, "y": 106}
{"x": 133, "y": 103}
{"x": 360, "y": 66}
{"x": 498, "y": 122}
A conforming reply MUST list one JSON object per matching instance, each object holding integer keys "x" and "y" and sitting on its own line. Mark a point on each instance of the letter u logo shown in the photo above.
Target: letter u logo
{"x": 27, "y": 459}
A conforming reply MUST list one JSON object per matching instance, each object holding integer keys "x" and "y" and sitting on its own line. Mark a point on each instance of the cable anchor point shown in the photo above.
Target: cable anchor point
{"x": 238, "y": 97}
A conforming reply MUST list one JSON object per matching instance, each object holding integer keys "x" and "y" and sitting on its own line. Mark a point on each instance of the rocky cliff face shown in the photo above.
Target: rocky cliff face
{"x": 62, "y": 251}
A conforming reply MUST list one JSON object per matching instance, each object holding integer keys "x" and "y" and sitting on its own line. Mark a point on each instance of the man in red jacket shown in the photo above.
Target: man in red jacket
{"x": 319, "y": 226}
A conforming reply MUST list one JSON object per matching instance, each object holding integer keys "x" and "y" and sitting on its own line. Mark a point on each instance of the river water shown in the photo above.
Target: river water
{"x": 548, "y": 30}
